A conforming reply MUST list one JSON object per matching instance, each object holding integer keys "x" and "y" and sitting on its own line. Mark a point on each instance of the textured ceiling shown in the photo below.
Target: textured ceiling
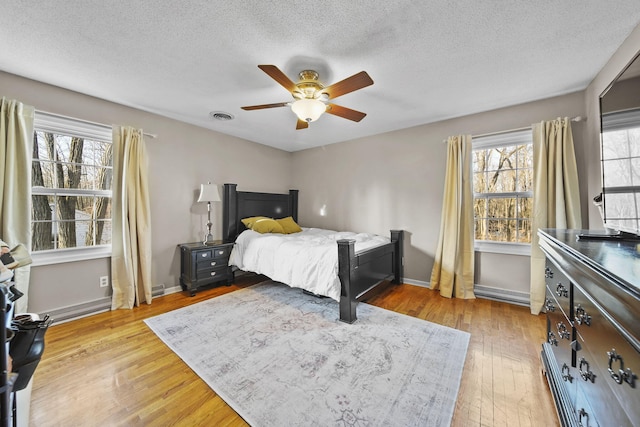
{"x": 430, "y": 60}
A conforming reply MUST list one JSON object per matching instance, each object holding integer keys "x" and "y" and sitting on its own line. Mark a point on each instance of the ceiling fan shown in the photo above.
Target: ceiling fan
{"x": 311, "y": 97}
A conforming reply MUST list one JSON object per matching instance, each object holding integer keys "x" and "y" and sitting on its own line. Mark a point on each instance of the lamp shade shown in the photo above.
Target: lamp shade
{"x": 308, "y": 110}
{"x": 209, "y": 193}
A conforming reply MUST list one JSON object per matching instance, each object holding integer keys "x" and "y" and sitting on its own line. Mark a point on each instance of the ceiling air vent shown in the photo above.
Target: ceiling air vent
{"x": 220, "y": 115}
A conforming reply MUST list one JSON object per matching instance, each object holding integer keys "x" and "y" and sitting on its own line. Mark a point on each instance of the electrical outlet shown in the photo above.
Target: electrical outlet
{"x": 104, "y": 281}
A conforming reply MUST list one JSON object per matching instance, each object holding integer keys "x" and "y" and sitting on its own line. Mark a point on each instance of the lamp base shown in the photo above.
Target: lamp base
{"x": 208, "y": 239}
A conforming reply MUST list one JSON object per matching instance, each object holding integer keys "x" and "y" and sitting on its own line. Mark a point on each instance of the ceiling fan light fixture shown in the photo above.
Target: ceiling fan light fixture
{"x": 308, "y": 110}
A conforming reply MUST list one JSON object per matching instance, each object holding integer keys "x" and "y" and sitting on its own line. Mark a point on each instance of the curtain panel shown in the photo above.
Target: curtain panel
{"x": 556, "y": 196}
{"x": 453, "y": 269}
{"x": 16, "y": 150}
{"x": 131, "y": 228}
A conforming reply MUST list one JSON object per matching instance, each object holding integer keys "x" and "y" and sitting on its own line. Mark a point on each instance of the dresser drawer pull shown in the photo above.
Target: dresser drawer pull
{"x": 213, "y": 263}
{"x": 586, "y": 375}
{"x": 562, "y": 331}
{"x": 548, "y": 273}
{"x": 582, "y": 413}
{"x": 622, "y": 375}
{"x": 204, "y": 254}
{"x": 551, "y": 338}
{"x": 566, "y": 375}
{"x": 582, "y": 316}
{"x": 213, "y": 273}
{"x": 561, "y": 291}
{"x": 549, "y": 305}
{"x": 220, "y": 252}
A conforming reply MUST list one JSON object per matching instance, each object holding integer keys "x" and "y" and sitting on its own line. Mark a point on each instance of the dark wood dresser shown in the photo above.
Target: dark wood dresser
{"x": 592, "y": 355}
{"x": 202, "y": 265}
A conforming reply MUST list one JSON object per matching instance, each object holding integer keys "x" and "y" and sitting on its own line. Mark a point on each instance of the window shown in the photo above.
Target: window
{"x": 503, "y": 188}
{"x": 71, "y": 187}
{"x": 621, "y": 169}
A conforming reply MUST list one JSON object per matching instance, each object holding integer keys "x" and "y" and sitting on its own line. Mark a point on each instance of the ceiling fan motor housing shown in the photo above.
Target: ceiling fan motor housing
{"x": 308, "y": 87}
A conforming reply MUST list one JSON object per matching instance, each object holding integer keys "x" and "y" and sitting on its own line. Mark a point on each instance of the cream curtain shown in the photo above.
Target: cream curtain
{"x": 556, "y": 200}
{"x": 453, "y": 269}
{"x": 16, "y": 150}
{"x": 131, "y": 234}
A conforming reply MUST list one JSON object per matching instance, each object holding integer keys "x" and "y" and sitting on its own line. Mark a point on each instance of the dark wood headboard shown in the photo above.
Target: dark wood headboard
{"x": 237, "y": 205}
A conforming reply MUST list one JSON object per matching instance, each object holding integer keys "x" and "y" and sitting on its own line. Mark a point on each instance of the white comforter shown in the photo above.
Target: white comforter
{"x": 307, "y": 260}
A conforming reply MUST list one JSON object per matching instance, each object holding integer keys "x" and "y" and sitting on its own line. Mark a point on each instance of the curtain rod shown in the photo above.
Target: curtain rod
{"x": 150, "y": 135}
{"x": 575, "y": 119}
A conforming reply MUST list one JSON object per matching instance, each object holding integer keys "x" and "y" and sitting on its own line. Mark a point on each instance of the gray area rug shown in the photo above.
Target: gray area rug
{"x": 279, "y": 357}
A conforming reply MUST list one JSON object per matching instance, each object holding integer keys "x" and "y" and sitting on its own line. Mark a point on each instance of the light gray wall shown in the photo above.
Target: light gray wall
{"x": 180, "y": 159}
{"x": 396, "y": 180}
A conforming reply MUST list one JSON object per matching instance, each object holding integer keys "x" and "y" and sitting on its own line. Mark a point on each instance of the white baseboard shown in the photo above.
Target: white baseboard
{"x": 416, "y": 282}
{"x": 89, "y": 308}
{"x": 487, "y": 292}
{"x": 503, "y": 295}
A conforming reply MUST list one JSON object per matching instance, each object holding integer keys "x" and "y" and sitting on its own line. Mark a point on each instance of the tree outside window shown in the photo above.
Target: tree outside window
{"x": 71, "y": 190}
{"x": 503, "y": 191}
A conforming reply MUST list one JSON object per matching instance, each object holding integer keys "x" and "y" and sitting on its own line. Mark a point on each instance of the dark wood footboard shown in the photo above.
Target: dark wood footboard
{"x": 361, "y": 272}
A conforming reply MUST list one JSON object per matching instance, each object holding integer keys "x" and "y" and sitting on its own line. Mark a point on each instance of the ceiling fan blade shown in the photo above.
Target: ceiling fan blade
{"x": 344, "y": 112}
{"x": 301, "y": 124}
{"x": 277, "y": 75}
{"x": 355, "y": 82}
{"x": 260, "y": 107}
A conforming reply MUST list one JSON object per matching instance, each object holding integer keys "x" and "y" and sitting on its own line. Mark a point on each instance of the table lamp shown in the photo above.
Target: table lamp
{"x": 209, "y": 193}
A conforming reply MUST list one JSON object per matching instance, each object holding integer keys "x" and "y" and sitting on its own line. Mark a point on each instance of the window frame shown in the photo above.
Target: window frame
{"x": 499, "y": 140}
{"x": 48, "y": 122}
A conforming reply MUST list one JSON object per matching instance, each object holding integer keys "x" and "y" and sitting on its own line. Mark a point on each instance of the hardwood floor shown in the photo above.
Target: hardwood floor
{"x": 111, "y": 370}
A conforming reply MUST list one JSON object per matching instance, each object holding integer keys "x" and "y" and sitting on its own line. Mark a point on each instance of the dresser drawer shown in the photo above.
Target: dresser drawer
{"x": 560, "y": 286}
{"x": 585, "y": 415}
{"x": 617, "y": 362}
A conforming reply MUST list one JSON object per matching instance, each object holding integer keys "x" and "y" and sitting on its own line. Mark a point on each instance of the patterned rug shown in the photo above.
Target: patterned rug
{"x": 279, "y": 357}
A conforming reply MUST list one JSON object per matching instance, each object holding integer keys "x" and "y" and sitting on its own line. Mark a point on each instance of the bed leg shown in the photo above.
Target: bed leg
{"x": 397, "y": 236}
{"x": 346, "y": 261}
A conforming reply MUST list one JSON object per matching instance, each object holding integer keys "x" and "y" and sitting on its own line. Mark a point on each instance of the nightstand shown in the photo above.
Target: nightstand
{"x": 202, "y": 264}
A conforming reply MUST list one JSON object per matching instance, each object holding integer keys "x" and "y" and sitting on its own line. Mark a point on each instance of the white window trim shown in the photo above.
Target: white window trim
{"x": 59, "y": 256}
{"x": 520, "y": 137}
{"x": 50, "y": 122}
{"x": 507, "y": 248}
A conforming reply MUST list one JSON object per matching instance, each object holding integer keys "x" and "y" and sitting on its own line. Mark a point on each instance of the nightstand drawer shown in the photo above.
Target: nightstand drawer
{"x": 216, "y": 273}
{"x": 223, "y": 252}
{"x": 210, "y": 263}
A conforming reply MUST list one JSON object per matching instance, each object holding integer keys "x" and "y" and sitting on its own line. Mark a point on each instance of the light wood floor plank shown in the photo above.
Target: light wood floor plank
{"x": 111, "y": 370}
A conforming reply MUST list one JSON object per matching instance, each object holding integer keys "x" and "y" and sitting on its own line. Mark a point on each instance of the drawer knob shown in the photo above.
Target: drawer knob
{"x": 213, "y": 263}
{"x": 566, "y": 375}
{"x": 562, "y": 331}
{"x": 213, "y": 273}
{"x": 582, "y": 316}
{"x": 204, "y": 254}
{"x": 220, "y": 252}
{"x": 549, "y": 305}
{"x": 561, "y": 291}
{"x": 586, "y": 375}
{"x": 621, "y": 375}
{"x": 583, "y": 414}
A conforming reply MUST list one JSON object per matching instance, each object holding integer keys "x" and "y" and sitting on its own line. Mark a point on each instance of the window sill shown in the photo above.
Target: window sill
{"x": 522, "y": 249}
{"x": 70, "y": 255}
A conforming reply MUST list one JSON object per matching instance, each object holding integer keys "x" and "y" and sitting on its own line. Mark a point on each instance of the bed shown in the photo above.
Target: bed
{"x": 358, "y": 271}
